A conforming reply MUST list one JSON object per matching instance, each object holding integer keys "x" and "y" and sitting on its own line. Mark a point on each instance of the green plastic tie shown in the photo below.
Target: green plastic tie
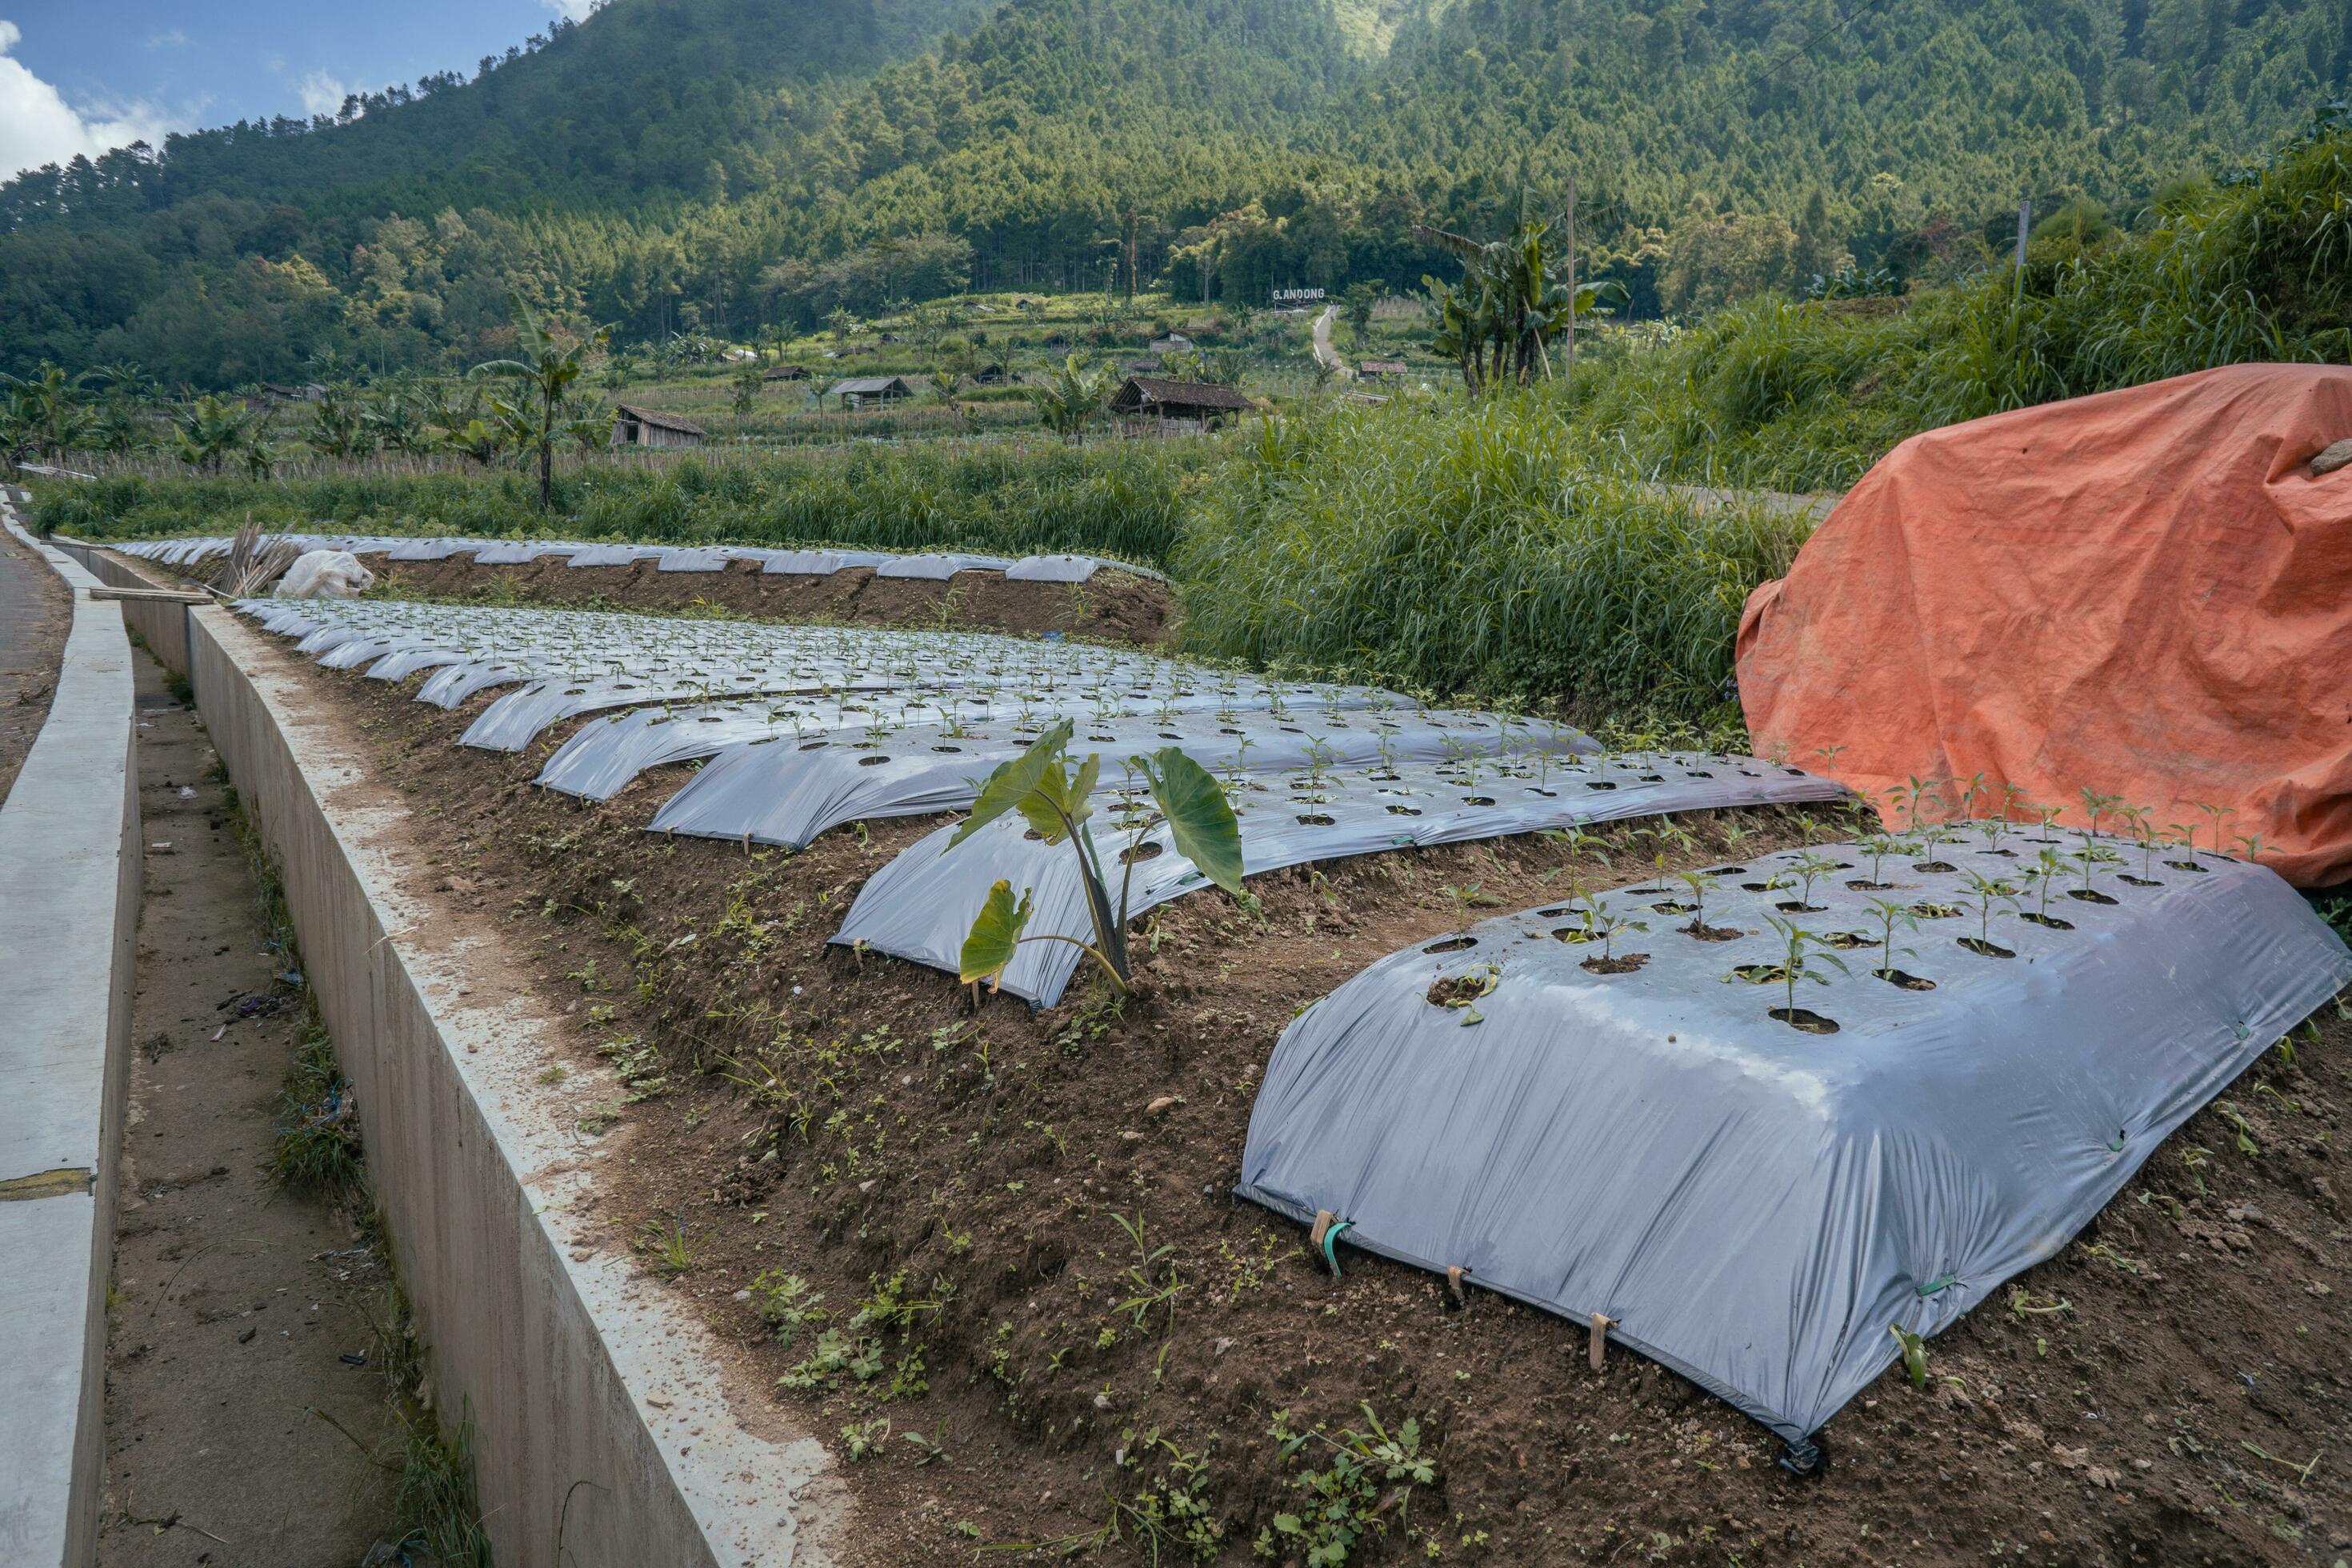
{"x": 1937, "y": 1286}
{"x": 1330, "y": 1240}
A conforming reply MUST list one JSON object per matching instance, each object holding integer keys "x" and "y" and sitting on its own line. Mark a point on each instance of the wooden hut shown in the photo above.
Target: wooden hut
{"x": 879, "y": 391}
{"x": 635, "y": 426}
{"x": 1149, "y": 406}
{"x": 786, "y": 372}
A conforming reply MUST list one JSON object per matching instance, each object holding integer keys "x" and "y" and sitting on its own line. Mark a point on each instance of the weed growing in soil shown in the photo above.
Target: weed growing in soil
{"x": 1341, "y": 1505}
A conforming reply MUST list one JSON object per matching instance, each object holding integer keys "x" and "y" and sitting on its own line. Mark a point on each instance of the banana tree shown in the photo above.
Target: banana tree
{"x": 1056, "y": 798}
{"x": 1513, "y": 298}
{"x": 1066, "y": 403}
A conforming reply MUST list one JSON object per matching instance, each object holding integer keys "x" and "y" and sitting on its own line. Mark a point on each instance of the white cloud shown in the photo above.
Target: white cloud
{"x": 38, "y": 126}
{"x": 574, "y": 10}
{"x": 321, "y": 94}
{"x": 171, "y": 39}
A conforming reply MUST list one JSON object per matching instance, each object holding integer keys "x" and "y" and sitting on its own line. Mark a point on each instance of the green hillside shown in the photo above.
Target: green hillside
{"x": 721, "y": 163}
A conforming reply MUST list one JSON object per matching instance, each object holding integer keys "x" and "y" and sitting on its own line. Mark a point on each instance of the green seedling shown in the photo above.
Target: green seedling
{"x": 1810, "y": 868}
{"x": 2095, "y": 804}
{"x": 1891, "y": 915}
{"x": 1601, "y": 923}
{"x": 2213, "y": 814}
{"x": 1698, "y": 882}
{"x": 1056, "y": 800}
{"x": 1881, "y": 848}
{"x": 1799, "y": 947}
{"x": 1915, "y": 1354}
{"x": 1989, "y": 892}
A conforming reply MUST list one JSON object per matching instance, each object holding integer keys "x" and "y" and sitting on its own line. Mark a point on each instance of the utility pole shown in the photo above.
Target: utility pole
{"x": 1571, "y": 291}
{"x": 2025, "y": 223}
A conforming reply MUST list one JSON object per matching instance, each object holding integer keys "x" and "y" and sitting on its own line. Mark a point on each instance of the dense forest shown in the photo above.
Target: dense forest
{"x": 720, "y": 164}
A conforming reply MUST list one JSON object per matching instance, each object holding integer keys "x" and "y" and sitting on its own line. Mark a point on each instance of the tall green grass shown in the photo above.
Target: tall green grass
{"x": 1807, "y": 397}
{"x": 1122, "y": 499}
{"x": 1480, "y": 550}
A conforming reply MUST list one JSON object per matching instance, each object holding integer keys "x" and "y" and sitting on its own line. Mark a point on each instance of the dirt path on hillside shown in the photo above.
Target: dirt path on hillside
{"x": 235, "y": 1307}
{"x": 36, "y": 608}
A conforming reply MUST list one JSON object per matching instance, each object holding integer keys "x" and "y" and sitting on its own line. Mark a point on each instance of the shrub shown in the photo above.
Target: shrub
{"x": 1473, "y": 549}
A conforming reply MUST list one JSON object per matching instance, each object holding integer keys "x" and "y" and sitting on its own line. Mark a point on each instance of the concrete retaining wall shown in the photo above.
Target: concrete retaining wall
{"x": 595, "y": 1399}
{"x": 165, "y": 626}
{"x": 69, "y": 875}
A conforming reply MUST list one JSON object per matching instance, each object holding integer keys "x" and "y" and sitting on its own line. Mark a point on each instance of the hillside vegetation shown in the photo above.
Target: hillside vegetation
{"x": 716, "y": 164}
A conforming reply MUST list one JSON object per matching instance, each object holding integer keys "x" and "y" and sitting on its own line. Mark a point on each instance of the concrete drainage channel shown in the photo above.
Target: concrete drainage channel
{"x": 598, "y": 1416}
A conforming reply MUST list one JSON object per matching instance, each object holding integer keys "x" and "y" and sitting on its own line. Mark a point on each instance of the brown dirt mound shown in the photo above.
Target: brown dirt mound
{"x": 1115, "y": 605}
{"x": 980, "y": 1196}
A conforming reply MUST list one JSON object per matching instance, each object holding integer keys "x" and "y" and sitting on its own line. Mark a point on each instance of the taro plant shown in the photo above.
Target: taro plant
{"x": 1056, "y": 798}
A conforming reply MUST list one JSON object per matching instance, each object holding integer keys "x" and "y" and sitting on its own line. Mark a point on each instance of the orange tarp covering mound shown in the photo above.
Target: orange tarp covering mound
{"x": 2145, "y": 593}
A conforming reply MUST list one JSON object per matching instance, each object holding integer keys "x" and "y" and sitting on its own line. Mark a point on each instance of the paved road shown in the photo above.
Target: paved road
{"x": 1324, "y": 352}
{"x": 35, "y": 606}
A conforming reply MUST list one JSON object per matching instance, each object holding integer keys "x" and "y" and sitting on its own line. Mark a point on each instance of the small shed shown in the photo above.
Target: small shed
{"x": 1173, "y": 344}
{"x": 786, "y": 372}
{"x": 634, "y": 427}
{"x": 859, "y": 391}
{"x": 1376, "y": 368}
{"x": 1148, "y": 405}
{"x": 993, "y": 375}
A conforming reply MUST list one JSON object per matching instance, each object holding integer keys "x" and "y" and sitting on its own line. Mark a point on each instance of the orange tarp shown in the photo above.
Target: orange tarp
{"x": 2146, "y": 593}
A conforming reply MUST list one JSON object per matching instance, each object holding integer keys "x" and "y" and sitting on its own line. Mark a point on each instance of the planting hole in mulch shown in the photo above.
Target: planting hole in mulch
{"x": 1907, "y": 982}
{"x": 2089, "y": 895}
{"x": 1760, "y": 974}
{"x": 2186, "y": 866}
{"x": 1461, "y": 990}
{"x": 1846, "y": 941}
{"x": 1711, "y": 933}
{"x": 1671, "y": 908}
{"x": 1576, "y": 934}
{"x": 2139, "y": 881}
{"x": 1452, "y": 944}
{"x": 2052, "y": 921}
{"x": 1146, "y": 850}
{"x": 1928, "y": 911}
{"x": 1623, "y": 964}
{"x": 1935, "y": 868}
{"x": 1984, "y": 949}
{"x": 1805, "y": 1018}
{"x": 1798, "y": 907}
{"x": 1317, "y": 819}
{"x": 1865, "y": 885}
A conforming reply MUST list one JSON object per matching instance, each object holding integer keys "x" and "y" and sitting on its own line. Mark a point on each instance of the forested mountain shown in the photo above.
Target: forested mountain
{"x": 672, "y": 164}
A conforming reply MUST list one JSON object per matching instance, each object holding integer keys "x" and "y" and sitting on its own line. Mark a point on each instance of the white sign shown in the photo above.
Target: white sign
{"x": 1296, "y": 296}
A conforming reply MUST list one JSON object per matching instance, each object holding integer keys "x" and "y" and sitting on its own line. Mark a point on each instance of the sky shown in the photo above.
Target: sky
{"x": 82, "y": 76}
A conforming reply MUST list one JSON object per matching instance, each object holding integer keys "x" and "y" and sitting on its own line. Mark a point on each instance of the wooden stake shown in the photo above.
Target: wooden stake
{"x": 1602, "y": 1324}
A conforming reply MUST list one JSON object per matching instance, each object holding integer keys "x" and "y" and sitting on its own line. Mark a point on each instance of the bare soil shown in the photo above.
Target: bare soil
{"x": 1114, "y": 605}
{"x": 35, "y": 610}
{"x": 233, "y": 1304}
{"x": 993, "y": 1188}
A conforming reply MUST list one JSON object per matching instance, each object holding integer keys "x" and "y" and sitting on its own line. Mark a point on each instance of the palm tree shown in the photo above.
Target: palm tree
{"x": 544, "y": 374}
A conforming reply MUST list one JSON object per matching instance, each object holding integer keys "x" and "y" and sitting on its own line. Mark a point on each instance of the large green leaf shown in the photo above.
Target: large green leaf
{"x": 994, "y": 936}
{"x": 1198, "y": 817}
{"x": 1013, "y": 782}
{"x": 1060, "y": 800}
